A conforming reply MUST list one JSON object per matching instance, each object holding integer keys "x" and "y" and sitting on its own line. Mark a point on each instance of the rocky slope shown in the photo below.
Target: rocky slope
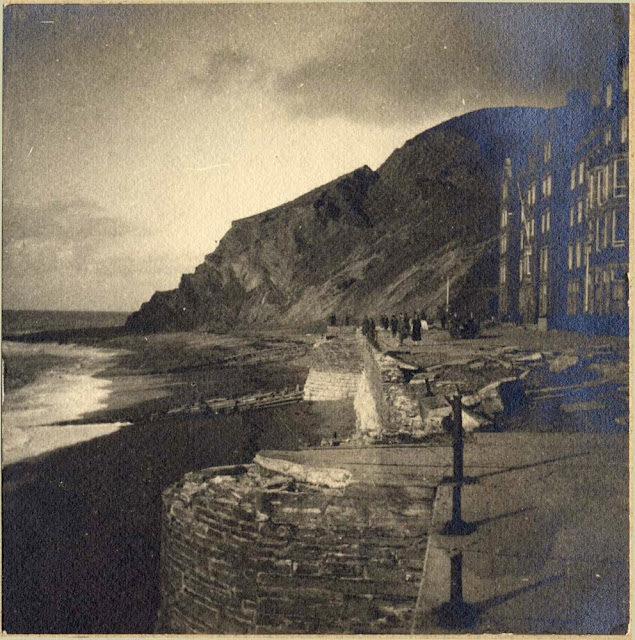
{"x": 369, "y": 242}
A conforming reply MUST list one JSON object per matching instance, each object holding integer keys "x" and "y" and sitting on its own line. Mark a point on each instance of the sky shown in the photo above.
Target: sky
{"x": 134, "y": 135}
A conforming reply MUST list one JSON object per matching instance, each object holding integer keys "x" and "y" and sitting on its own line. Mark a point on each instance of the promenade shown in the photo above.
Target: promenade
{"x": 548, "y": 495}
{"x": 550, "y": 550}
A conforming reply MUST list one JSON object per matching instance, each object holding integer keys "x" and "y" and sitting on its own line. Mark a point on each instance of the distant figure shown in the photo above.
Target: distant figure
{"x": 444, "y": 319}
{"x": 365, "y": 326}
{"x": 347, "y": 320}
{"x": 372, "y": 332}
{"x": 416, "y": 329}
{"x": 332, "y": 320}
{"x": 424, "y": 325}
{"x": 404, "y": 328}
{"x": 394, "y": 325}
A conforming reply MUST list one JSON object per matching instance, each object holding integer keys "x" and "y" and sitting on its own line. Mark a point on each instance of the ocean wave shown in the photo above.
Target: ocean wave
{"x": 65, "y": 392}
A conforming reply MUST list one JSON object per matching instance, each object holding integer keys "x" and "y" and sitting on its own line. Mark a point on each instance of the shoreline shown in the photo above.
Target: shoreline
{"x": 64, "y": 390}
{"x": 81, "y": 524}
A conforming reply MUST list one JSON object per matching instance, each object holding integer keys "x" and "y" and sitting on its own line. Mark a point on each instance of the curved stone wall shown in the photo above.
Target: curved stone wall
{"x": 246, "y": 550}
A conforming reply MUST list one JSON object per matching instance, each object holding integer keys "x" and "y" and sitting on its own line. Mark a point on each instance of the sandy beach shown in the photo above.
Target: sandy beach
{"x": 81, "y": 517}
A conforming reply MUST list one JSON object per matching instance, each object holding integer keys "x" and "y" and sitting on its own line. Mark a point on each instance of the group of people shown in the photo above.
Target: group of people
{"x": 333, "y": 320}
{"x": 401, "y": 326}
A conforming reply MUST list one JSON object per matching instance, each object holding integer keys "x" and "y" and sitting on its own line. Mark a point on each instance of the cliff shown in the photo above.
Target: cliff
{"x": 369, "y": 242}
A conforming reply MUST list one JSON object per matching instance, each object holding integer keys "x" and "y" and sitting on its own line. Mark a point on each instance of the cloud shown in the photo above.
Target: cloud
{"x": 470, "y": 54}
{"x": 69, "y": 254}
{"x": 70, "y": 221}
{"x": 229, "y": 66}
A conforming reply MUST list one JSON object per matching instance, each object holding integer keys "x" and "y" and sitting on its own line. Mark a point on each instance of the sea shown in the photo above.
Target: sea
{"x": 45, "y": 384}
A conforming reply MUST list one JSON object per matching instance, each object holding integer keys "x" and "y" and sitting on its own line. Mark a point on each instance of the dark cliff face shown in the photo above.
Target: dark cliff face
{"x": 368, "y": 242}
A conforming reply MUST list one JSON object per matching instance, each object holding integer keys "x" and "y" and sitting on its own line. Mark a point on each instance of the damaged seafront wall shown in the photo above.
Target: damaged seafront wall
{"x": 245, "y": 549}
{"x": 336, "y": 367}
{"x": 387, "y": 409}
{"x": 277, "y": 547}
{"x": 348, "y": 366}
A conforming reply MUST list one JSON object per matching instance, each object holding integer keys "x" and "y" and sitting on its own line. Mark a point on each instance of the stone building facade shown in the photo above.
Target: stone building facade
{"x": 564, "y": 214}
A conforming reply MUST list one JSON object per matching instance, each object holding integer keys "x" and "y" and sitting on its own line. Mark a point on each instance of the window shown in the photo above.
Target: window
{"x": 625, "y": 78}
{"x": 600, "y": 186}
{"x": 533, "y": 193}
{"x": 606, "y": 183}
{"x": 543, "y": 302}
{"x": 545, "y": 221}
{"x": 591, "y": 192}
{"x": 624, "y": 129}
{"x": 607, "y": 226}
{"x": 503, "y": 218}
{"x": 572, "y": 177}
{"x": 598, "y": 230}
{"x": 505, "y": 190}
{"x": 580, "y": 211}
{"x": 572, "y": 297}
{"x": 547, "y": 151}
{"x": 578, "y": 253}
{"x": 528, "y": 263}
{"x": 620, "y": 178}
{"x": 581, "y": 173}
{"x": 504, "y": 244}
{"x": 503, "y": 274}
{"x": 533, "y": 228}
{"x": 571, "y": 215}
{"x": 608, "y": 96}
{"x": 544, "y": 260}
{"x": 619, "y": 298}
{"x": 607, "y": 136}
{"x": 620, "y": 220}
{"x": 570, "y": 256}
{"x": 522, "y": 240}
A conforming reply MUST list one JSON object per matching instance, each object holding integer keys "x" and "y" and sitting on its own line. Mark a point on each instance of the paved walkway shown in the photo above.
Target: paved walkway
{"x": 550, "y": 551}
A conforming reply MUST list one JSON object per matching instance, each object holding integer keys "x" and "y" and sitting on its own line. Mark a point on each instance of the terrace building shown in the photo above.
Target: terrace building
{"x": 564, "y": 214}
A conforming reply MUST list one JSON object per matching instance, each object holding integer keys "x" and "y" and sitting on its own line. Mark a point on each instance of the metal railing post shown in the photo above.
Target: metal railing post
{"x": 457, "y": 526}
{"x": 457, "y": 614}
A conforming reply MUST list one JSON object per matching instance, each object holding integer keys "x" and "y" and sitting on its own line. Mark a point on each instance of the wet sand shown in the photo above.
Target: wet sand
{"x": 81, "y": 523}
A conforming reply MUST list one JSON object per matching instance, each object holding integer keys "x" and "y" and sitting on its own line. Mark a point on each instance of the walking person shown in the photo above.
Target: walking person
{"x": 365, "y": 326}
{"x": 404, "y": 328}
{"x": 394, "y": 325}
{"x": 416, "y": 329}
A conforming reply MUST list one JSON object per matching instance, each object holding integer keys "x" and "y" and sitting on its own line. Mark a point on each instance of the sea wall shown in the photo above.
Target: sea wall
{"x": 248, "y": 550}
{"x": 388, "y": 409}
{"x": 336, "y": 368}
{"x": 330, "y": 385}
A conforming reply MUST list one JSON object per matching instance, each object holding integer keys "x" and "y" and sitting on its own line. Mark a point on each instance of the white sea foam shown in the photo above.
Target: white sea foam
{"x": 66, "y": 392}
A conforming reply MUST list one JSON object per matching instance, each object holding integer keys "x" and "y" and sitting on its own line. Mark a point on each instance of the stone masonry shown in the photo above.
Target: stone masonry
{"x": 336, "y": 369}
{"x": 247, "y": 550}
